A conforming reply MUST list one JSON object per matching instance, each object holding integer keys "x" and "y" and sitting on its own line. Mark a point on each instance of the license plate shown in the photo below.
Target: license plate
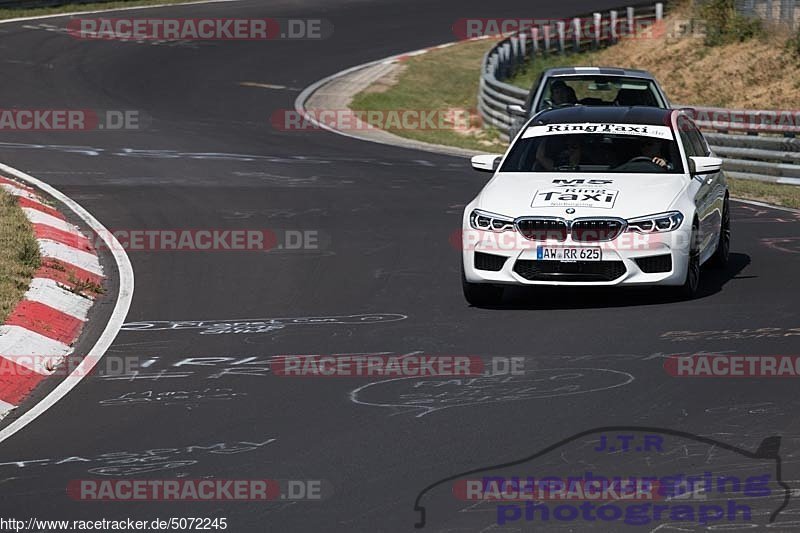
{"x": 560, "y": 253}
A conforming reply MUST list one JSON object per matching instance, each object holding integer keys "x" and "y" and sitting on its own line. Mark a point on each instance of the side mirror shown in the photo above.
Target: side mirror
{"x": 516, "y": 109}
{"x": 704, "y": 165}
{"x": 486, "y": 162}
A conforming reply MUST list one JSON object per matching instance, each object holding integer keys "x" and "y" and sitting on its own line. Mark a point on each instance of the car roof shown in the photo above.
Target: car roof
{"x": 605, "y": 114}
{"x": 604, "y": 71}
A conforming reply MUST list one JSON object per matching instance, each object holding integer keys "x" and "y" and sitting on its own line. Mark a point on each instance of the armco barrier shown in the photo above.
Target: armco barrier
{"x": 764, "y": 147}
{"x": 557, "y": 37}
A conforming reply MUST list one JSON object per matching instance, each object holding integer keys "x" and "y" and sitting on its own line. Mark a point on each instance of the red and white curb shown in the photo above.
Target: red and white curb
{"x": 42, "y": 329}
{"x": 124, "y": 270}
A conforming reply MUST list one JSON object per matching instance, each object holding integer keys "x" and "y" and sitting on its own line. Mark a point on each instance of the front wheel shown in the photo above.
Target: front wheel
{"x": 689, "y": 288}
{"x": 480, "y": 294}
{"x": 722, "y": 254}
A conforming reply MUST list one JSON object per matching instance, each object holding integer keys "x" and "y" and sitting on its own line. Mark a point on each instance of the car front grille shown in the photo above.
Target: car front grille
{"x": 655, "y": 263}
{"x": 570, "y": 272}
{"x": 596, "y": 230}
{"x": 581, "y": 229}
{"x": 543, "y": 229}
{"x": 491, "y": 262}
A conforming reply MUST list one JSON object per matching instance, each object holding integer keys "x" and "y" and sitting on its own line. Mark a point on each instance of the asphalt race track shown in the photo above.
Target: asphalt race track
{"x": 385, "y": 216}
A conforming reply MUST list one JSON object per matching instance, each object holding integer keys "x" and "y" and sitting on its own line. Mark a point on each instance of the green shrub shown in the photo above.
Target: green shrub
{"x": 725, "y": 25}
{"x": 793, "y": 44}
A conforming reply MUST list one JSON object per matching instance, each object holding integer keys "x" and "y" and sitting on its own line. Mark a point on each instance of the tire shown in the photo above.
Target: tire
{"x": 689, "y": 288}
{"x": 722, "y": 254}
{"x": 480, "y": 294}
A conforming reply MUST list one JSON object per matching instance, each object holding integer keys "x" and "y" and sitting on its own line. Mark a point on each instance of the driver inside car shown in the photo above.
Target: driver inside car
{"x": 562, "y": 94}
{"x": 652, "y": 149}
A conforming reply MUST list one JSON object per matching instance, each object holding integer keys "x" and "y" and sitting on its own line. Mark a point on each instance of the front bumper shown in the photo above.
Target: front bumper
{"x": 630, "y": 259}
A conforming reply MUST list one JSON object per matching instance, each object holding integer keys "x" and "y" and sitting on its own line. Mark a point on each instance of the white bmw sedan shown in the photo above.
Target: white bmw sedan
{"x": 597, "y": 196}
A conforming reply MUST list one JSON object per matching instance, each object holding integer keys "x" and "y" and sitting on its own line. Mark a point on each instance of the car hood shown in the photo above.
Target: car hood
{"x": 518, "y": 194}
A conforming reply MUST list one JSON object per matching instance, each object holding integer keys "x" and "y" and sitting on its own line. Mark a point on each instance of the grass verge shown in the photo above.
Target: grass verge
{"x": 771, "y": 193}
{"x": 76, "y": 8}
{"x": 438, "y": 80}
{"x": 19, "y": 254}
{"x": 755, "y": 71}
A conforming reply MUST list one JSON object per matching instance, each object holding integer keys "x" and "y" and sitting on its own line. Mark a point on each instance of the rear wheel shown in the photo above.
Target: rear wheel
{"x": 689, "y": 287}
{"x": 722, "y": 254}
{"x": 480, "y": 294}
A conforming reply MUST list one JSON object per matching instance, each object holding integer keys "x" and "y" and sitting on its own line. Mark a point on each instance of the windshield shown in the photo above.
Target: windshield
{"x": 623, "y": 148}
{"x": 599, "y": 90}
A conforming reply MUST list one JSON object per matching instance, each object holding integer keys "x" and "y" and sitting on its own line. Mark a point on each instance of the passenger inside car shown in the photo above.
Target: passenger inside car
{"x": 633, "y": 97}
{"x": 558, "y": 152}
{"x": 597, "y": 91}
{"x": 562, "y": 94}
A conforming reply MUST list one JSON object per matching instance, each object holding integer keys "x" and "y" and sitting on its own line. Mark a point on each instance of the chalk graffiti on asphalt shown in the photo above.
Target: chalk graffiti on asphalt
{"x": 431, "y": 395}
{"x": 154, "y": 368}
{"x": 177, "y": 397}
{"x": 789, "y": 245}
{"x": 731, "y": 334}
{"x": 125, "y": 463}
{"x": 259, "y": 325}
{"x": 759, "y": 214}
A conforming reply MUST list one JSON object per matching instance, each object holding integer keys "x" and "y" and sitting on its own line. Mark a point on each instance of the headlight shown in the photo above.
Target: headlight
{"x": 490, "y": 221}
{"x": 656, "y": 223}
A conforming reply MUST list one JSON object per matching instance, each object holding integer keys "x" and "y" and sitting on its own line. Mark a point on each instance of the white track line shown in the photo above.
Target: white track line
{"x": 770, "y": 206}
{"x": 300, "y": 101}
{"x": 126, "y": 280}
{"x": 115, "y": 322}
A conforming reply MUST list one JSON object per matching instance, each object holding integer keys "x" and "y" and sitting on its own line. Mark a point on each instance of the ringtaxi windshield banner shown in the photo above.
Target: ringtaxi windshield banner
{"x": 638, "y": 130}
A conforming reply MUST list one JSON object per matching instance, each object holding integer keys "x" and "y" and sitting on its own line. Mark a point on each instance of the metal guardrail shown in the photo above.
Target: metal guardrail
{"x": 546, "y": 38}
{"x": 773, "y": 11}
{"x": 758, "y": 152}
{"x": 772, "y": 165}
